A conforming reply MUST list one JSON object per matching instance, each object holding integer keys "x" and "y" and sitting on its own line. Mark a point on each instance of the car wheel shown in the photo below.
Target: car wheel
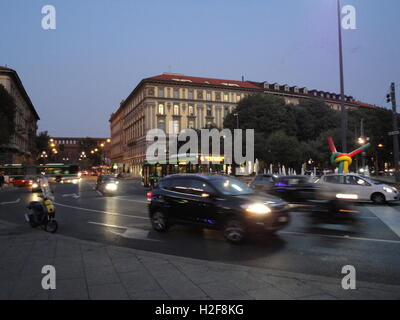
{"x": 234, "y": 231}
{"x": 378, "y": 198}
{"x": 159, "y": 221}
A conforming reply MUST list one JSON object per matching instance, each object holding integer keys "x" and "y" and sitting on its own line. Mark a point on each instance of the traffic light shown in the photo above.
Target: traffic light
{"x": 388, "y": 98}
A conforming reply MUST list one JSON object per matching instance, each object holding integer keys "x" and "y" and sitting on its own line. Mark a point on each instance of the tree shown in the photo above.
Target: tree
{"x": 93, "y": 159}
{"x": 42, "y": 141}
{"x": 7, "y": 116}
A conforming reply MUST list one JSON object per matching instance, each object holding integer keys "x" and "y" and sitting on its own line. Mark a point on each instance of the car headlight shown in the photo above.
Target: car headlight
{"x": 256, "y": 208}
{"x": 388, "y": 189}
{"x": 111, "y": 186}
{"x": 35, "y": 185}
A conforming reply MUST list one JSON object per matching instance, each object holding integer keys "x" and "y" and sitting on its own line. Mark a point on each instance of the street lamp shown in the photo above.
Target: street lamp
{"x": 237, "y": 120}
{"x": 343, "y": 110}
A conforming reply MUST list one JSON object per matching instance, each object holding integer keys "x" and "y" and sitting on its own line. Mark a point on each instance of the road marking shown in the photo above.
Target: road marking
{"x": 389, "y": 216}
{"x": 107, "y": 225}
{"x": 338, "y": 237}
{"x": 12, "y": 202}
{"x": 132, "y": 200}
{"x": 116, "y": 198}
{"x": 100, "y": 211}
{"x": 130, "y": 232}
{"x": 73, "y": 195}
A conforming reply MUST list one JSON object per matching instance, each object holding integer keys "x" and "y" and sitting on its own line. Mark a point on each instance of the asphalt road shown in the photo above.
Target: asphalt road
{"x": 369, "y": 243}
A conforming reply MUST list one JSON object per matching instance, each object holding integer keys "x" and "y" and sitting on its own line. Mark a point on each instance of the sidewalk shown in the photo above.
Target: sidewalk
{"x": 89, "y": 270}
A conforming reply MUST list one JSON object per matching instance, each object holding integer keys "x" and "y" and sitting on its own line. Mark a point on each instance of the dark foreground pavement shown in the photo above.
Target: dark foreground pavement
{"x": 89, "y": 270}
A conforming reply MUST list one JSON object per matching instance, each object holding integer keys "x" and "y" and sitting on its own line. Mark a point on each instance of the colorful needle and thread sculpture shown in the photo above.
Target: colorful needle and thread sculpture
{"x": 343, "y": 160}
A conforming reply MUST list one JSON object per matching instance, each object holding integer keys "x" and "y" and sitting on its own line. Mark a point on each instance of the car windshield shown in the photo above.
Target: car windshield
{"x": 231, "y": 186}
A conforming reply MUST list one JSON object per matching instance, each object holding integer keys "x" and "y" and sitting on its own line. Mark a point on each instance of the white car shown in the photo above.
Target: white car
{"x": 357, "y": 187}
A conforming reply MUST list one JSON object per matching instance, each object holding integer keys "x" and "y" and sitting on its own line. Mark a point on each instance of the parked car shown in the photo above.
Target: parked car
{"x": 358, "y": 187}
{"x": 215, "y": 202}
{"x": 263, "y": 182}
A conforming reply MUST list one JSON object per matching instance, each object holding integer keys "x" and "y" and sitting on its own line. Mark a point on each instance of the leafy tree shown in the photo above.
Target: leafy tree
{"x": 292, "y": 134}
{"x": 42, "y": 141}
{"x": 93, "y": 159}
{"x": 7, "y": 116}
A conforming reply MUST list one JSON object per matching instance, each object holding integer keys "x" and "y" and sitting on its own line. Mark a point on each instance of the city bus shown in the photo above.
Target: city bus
{"x": 152, "y": 171}
{"x": 56, "y": 170}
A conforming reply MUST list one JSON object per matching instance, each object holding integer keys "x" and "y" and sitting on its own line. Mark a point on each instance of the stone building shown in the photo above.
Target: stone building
{"x": 21, "y": 148}
{"x": 173, "y": 102}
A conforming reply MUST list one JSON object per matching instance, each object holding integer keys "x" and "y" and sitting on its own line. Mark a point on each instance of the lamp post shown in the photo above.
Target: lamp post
{"x": 237, "y": 120}
{"x": 343, "y": 110}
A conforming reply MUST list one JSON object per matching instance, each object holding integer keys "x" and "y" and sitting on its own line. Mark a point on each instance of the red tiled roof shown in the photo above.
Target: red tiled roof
{"x": 179, "y": 78}
{"x": 367, "y": 105}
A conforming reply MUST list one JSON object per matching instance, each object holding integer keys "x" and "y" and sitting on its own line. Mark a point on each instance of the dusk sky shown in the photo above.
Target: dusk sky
{"x": 77, "y": 74}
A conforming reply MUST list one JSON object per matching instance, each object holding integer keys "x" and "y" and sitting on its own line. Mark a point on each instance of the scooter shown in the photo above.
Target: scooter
{"x": 42, "y": 214}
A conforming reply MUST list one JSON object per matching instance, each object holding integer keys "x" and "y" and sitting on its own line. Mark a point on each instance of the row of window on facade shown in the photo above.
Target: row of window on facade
{"x": 176, "y": 110}
{"x": 295, "y": 89}
{"x": 183, "y": 93}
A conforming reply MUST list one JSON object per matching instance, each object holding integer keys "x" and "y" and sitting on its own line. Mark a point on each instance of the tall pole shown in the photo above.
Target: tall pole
{"x": 363, "y": 154}
{"x": 395, "y": 128}
{"x": 343, "y": 119}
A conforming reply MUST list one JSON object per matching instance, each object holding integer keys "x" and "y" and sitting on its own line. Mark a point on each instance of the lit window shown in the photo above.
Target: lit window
{"x": 161, "y": 108}
{"x": 208, "y": 95}
{"x": 176, "y": 110}
{"x": 191, "y": 110}
{"x": 226, "y": 97}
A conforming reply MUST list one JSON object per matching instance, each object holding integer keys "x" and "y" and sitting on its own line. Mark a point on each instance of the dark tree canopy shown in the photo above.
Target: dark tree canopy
{"x": 292, "y": 134}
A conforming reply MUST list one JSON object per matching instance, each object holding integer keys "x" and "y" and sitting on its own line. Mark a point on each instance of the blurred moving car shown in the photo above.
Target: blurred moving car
{"x": 35, "y": 185}
{"x": 358, "y": 187}
{"x": 263, "y": 182}
{"x": 21, "y": 182}
{"x": 294, "y": 189}
{"x": 107, "y": 184}
{"x": 215, "y": 202}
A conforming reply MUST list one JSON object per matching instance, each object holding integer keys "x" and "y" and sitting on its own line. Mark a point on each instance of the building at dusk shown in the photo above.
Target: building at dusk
{"x": 71, "y": 150}
{"x": 21, "y": 148}
{"x": 173, "y": 102}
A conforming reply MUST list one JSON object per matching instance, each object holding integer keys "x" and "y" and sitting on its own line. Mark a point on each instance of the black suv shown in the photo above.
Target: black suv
{"x": 216, "y": 202}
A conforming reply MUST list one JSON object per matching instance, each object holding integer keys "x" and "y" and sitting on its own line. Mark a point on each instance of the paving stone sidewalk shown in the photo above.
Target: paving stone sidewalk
{"x": 90, "y": 270}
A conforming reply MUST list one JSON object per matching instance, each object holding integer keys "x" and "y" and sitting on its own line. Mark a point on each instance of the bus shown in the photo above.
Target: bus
{"x": 51, "y": 170}
{"x": 152, "y": 171}
{"x": 58, "y": 170}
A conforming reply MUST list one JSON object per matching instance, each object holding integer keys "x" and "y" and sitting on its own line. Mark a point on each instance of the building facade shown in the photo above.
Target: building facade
{"x": 173, "y": 102}
{"x": 21, "y": 148}
{"x": 72, "y": 150}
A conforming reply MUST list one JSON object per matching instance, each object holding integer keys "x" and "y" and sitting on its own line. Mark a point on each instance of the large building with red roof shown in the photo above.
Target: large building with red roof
{"x": 173, "y": 102}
